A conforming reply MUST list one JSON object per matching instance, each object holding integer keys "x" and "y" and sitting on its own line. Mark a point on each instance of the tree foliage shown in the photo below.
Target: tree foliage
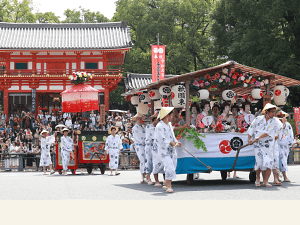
{"x": 182, "y": 26}
{"x": 264, "y": 34}
{"x": 16, "y": 11}
{"x": 83, "y": 16}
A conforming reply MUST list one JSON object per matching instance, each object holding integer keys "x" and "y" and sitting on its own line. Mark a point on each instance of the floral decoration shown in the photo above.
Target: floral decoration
{"x": 80, "y": 77}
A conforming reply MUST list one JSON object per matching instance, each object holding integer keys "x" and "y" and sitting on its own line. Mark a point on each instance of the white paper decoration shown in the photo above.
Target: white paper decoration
{"x": 227, "y": 95}
{"x": 203, "y": 94}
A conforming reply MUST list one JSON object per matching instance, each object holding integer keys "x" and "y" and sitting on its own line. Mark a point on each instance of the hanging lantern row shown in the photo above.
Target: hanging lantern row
{"x": 178, "y": 95}
{"x": 145, "y": 97}
{"x": 165, "y": 91}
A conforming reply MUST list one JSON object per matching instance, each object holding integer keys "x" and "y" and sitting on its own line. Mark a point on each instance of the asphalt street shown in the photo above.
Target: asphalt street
{"x": 126, "y": 186}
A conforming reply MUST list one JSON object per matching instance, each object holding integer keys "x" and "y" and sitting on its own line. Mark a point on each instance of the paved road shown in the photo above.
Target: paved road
{"x": 36, "y": 186}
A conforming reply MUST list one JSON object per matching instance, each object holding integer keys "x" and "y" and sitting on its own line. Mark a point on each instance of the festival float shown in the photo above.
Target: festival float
{"x": 89, "y": 150}
{"x": 216, "y": 144}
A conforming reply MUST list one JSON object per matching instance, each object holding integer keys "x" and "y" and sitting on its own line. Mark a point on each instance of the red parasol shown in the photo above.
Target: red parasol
{"x": 80, "y": 98}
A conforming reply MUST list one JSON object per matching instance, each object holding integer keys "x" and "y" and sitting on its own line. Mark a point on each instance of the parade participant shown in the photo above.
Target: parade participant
{"x": 235, "y": 109}
{"x": 45, "y": 154}
{"x": 150, "y": 128}
{"x": 262, "y": 134}
{"x": 215, "y": 111}
{"x": 195, "y": 112}
{"x": 113, "y": 146}
{"x": 225, "y": 118}
{"x": 246, "y": 107}
{"x": 284, "y": 141}
{"x": 158, "y": 166}
{"x": 205, "y": 106}
{"x": 165, "y": 142}
{"x": 139, "y": 135}
{"x": 66, "y": 147}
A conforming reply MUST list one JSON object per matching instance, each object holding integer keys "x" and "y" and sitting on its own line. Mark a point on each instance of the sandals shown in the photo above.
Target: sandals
{"x": 169, "y": 190}
{"x": 165, "y": 187}
{"x": 236, "y": 176}
{"x": 277, "y": 184}
{"x": 267, "y": 185}
{"x": 286, "y": 180}
{"x": 150, "y": 183}
{"x": 157, "y": 185}
{"x": 110, "y": 174}
{"x": 117, "y": 174}
{"x": 257, "y": 184}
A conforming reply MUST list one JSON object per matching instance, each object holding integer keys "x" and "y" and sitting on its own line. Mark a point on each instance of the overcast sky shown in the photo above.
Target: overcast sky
{"x": 106, "y": 7}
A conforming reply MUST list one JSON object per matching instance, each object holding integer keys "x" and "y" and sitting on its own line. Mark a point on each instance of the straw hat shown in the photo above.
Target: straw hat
{"x": 165, "y": 111}
{"x": 109, "y": 130}
{"x": 44, "y": 131}
{"x": 268, "y": 106}
{"x": 281, "y": 114}
{"x": 65, "y": 129}
{"x": 138, "y": 115}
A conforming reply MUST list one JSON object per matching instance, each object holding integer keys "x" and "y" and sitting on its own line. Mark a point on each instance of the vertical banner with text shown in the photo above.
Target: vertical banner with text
{"x": 33, "y": 98}
{"x": 102, "y": 114}
{"x": 158, "y": 62}
{"x": 297, "y": 119}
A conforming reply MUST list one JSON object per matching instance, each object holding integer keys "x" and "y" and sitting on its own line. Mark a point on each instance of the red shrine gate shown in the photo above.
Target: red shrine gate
{"x": 36, "y": 61}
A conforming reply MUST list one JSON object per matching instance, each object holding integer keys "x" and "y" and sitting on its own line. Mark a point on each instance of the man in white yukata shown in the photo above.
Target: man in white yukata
{"x": 150, "y": 128}
{"x": 45, "y": 154}
{"x": 165, "y": 143}
{"x": 285, "y": 141}
{"x": 113, "y": 146}
{"x": 66, "y": 148}
{"x": 262, "y": 134}
{"x": 139, "y": 135}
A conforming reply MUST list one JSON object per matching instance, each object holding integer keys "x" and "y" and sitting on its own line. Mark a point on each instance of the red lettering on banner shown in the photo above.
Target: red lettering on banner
{"x": 158, "y": 62}
{"x": 297, "y": 119}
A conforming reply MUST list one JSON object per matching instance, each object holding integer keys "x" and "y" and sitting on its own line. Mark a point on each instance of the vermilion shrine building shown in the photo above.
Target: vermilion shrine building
{"x": 37, "y": 60}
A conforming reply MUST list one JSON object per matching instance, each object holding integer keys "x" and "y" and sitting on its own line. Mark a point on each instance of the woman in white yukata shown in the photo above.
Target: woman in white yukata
{"x": 262, "y": 134}
{"x": 285, "y": 141}
{"x": 139, "y": 135}
{"x": 166, "y": 142}
{"x": 66, "y": 148}
{"x": 150, "y": 129}
{"x": 113, "y": 146}
{"x": 45, "y": 153}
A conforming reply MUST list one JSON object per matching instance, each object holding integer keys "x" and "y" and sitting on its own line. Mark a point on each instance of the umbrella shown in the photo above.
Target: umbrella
{"x": 80, "y": 98}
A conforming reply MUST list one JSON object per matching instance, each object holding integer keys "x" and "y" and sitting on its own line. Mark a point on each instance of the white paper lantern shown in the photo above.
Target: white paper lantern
{"x": 178, "y": 95}
{"x": 135, "y": 100}
{"x": 157, "y": 105}
{"x": 165, "y": 91}
{"x": 257, "y": 93}
{"x": 227, "y": 95}
{"x": 154, "y": 94}
{"x": 145, "y": 97}
{"x": 142, "y": 108}
{"x": 203, "y": 94}
{"x": 280, "y": 95}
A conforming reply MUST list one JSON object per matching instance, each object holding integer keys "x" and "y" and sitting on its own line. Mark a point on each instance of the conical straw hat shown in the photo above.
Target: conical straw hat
{"x": 269, "y": 106}
{"x": 165, "y": 111}
{"x": 138, "y": 115}
{"x": 281, "y": 114}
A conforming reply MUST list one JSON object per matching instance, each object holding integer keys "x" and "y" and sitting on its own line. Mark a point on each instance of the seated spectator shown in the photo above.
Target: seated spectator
{"x": 68, "y": 123}
{"x": 126, "y": 146}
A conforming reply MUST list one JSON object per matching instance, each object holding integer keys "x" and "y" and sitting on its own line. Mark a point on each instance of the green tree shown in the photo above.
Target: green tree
{"x": 182, "y": 26}
{"x": 264, "y": 34}
{"x": 84, "y": 16}
{"x": 17, "y": 11}
{"x": 47, "y": 17}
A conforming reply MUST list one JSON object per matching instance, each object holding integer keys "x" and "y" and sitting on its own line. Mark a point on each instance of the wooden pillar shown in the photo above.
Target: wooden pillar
{"x": 36, "y": 104}
{"x": 106, "y": 99}
{"x": 152, "y": 107}
{"x": 187, "y": 98}
{"x": 5, "y": 103}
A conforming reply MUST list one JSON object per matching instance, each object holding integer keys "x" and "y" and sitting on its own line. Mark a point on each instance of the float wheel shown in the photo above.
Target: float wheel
{"x": 190, "y": 179}
{"x": 223, "y": 174}
{"x": 102, "y": 169}
{"x": 89, "y": 170}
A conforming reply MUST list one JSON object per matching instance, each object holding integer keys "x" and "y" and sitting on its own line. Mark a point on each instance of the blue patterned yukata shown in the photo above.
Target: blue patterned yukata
{"x": 264, "y": 148}
{"x": 284, "y": 142}
{"x": 45, "y": 153}
{"x": 139, "y": 135}
{"x": 164, "y": 135}
{"x": 113, "y": 146}
{"x": 66, "y": 148}
{"x": 150, "y": 129}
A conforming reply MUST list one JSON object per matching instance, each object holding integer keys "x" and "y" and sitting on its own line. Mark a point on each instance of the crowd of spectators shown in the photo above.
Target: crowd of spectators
{"x": 20, "y": 134}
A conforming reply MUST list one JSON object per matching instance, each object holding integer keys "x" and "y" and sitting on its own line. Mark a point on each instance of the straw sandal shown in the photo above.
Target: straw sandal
{"x": 150, "y": 182}
{"x": 157, "y": 185}
{"x": 257, "y": 184}
{"x": 277, "y": 184}
{"x": 169, "y": 190}
{"x": 286, "y": 180}
{"x": 267, "y": 185}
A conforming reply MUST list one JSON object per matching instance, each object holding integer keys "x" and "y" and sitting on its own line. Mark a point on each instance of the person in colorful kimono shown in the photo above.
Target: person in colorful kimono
{"x": 113, "y": 146}
{"x": 150, "y": 128}
{"x": 45, "y": 153}
{"x": 139, "y": 135}
{"x": 285, "y": 141}
{"x": 67, "y": 144}
{"x": 165, "y": 143}
{"x": 262, "y": 134}
{"x": 205, "y": 106}
{"x": 246, "y": 110}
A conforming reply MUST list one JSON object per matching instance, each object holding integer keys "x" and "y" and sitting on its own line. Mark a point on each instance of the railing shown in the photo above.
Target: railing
{"x": 21, "y": 161}
{"x": 6, "y": 72}
{"x": 128, "y": 160}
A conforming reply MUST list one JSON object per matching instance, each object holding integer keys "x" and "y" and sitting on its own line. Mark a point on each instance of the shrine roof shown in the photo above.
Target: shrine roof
{"x": 65, "y": 36}
{"x": 134, "y": 81}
